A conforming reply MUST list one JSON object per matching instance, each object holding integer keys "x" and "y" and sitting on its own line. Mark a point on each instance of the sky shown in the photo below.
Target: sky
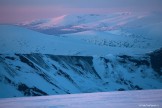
{"x": 13, "y": 11}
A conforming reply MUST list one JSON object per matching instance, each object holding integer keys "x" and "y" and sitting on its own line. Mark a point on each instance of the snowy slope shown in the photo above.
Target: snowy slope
{"x": 88, "y": 53}
{"x": 125, "y": 31}
{"x": 44, "y": 74}
{"x": 128, "y": 99}
{"x": 133, "y": 31}
{"x": 20, "y": 40}
{"x": 72, "y": 23}
{"x": 118, "y": 39}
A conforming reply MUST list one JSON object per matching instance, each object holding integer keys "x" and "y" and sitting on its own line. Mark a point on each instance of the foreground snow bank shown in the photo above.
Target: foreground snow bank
{"x": 124, "y": 99}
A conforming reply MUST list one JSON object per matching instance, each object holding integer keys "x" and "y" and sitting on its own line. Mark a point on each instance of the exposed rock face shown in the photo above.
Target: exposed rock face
{"x": 43, "y": 74}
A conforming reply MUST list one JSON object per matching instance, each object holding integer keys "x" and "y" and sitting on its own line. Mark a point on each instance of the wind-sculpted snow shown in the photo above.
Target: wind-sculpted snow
{"x": 45, "y": 74}
{"x": 120, "y": 99}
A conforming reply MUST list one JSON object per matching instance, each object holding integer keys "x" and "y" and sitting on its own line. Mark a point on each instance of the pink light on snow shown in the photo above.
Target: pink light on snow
{"x": 53, "y": 22}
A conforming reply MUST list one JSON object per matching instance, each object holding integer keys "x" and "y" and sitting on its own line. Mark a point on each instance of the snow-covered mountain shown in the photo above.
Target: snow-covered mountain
{"x": 117, "y": 30}
{"x": 16, "y": 39}
{"x": 118, "y": 39}
{"x": 87, "y": 53}
{"x": 46, "y": 74}
{"x": 73, "y": 23}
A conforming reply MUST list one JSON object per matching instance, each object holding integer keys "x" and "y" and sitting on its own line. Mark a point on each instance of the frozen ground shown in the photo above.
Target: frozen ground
{"x": 124, "y": 99}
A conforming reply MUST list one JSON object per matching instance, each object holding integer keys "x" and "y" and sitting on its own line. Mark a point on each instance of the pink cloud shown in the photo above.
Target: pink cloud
{"x": 12, "y": 14}
{"x": 18, "y": 14}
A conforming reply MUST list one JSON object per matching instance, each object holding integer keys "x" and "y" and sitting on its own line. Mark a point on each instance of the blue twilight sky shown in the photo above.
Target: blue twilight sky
{"x": 12, "y": 11}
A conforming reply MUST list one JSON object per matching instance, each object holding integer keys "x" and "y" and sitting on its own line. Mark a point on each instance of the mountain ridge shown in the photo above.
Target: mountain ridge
{"x": 45, "y": 74}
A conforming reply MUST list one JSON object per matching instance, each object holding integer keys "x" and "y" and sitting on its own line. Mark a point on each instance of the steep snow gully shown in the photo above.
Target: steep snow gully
{"x": 43, "y": 74}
